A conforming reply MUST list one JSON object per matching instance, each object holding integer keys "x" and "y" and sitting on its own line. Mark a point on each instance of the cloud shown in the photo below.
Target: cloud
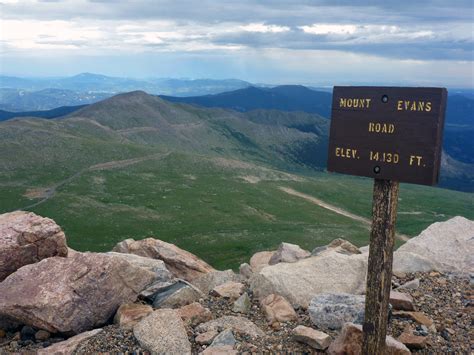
{"x": 432, "y": 30}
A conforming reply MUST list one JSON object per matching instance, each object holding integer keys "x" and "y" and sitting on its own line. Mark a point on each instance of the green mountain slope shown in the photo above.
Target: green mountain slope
{"x": 208, "y": 180}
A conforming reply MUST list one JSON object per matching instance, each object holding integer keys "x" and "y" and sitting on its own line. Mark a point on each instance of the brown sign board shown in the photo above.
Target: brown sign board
{"x": 390, "y": 133}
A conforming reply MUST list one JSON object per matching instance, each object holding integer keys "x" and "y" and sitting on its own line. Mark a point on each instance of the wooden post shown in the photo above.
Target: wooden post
{"x": 379, "y": 276}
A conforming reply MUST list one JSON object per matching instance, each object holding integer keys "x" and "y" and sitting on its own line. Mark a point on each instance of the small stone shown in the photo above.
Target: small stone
{"x": 242, "y": 304}
{"x": 245, "y": 270}
{"x": 206, "y": 338}
{"x": 412, "y": 341}
{"x": 350, "y": 339}
{"x": 224, "y": 338}
{"x": 401, "y": 301}
{"x": 230, "y": 289}
{"x": 42, "y": 335}
{"x": 177, "y": 295}
{"x": 27, "y": 333}
{"x": 130, "y": 314}
{"x": 277, "y": 308}
{"x": 276, "y": 325}
{"x": 410, "y": 285}
{"x": 314, "y": 338}
{"x": 194, "y": 314}
{"x": 239, "y": 325}
{"x": 399, "y": 274}
{"x": 220, "y": 350}
{"x": 418, "y": 317}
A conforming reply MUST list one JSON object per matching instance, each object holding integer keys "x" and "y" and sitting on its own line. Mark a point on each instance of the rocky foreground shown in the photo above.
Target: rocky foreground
{"x": 150, "y": 296}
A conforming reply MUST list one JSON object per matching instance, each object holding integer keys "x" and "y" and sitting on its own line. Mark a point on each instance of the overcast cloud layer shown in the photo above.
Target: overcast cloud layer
{"x": 298, "y": 41}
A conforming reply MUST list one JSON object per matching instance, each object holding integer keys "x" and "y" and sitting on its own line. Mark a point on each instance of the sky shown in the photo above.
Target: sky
{"x": 318, "y": 42}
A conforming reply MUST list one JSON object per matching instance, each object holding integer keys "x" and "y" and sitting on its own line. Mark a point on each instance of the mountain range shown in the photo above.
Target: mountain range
{"x": 222, "y": 183}
{"x": 34, "y": 94}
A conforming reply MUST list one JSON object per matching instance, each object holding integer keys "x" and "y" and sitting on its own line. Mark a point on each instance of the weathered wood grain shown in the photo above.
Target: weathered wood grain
{"x": 379, "y": 276}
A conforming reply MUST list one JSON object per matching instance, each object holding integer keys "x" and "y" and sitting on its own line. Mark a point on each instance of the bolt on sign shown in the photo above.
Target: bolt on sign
{"x": 387, "y": 132}
{"x": 392, "y": 135}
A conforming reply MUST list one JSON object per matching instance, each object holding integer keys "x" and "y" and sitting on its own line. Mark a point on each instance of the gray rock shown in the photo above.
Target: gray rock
{"x": 299, "y": 282}
{"x": 215, "y": 278}
{"x": 224, "y": 338}
{"x": 332, "y": 310}
{"x": 288, "y": 253}
{"x": 176, "y": 295}
{"x": 26, "y": 238}
{"x": 163, "y": 332}
{"x": 71, "y": 294}
{"x": 443, "y": 246}
{"x": 410, "y": 285}
{"x": 238, "y": 325}
{"x": 242, "y": 304}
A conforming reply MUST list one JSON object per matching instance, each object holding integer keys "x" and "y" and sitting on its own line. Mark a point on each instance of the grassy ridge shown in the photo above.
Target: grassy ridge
{"x": 209, "y": 207}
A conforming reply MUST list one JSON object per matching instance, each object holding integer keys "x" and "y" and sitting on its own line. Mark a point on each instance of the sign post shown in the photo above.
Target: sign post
{"x": 393, "y": 135}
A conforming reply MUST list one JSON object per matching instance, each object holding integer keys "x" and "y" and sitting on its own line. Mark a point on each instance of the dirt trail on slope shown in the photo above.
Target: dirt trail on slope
{"x": 51, "y": 191}
{"x": 335, "y": 209}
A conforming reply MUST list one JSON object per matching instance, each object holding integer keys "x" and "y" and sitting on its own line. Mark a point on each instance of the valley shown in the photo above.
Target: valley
{"x": 212, "y": 181}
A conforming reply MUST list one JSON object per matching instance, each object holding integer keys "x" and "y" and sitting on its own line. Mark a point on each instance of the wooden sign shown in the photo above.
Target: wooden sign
{"x": 390, "y": 133}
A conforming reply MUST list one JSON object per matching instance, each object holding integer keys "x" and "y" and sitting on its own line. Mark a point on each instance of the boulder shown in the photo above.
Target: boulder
{"x": 300, "y": 281}
{"x": 215, "y": 278}
{"x": 194, "y": 314}
{"x": 71, "y": 295}
{"x": 242, "y": 304}
{"x": 181, "y": 263}
{"x": 230, "y": 289}
{"x": 238, "y": 325}
{"x": 314, "y": 338}
{"x": 260, "y": 260}
{"x": 176, "y": 295}
{"x": 443, "y": 246}
{"x": 130, "y": 314}
{"x": 163, "y": 332}
{"x": 401, "y": 301}
{"x": 277, "y": 309}
{"x": 26, "y": 238}
{"x": 162, "y": 274}
{"x": 349, "y": 342}
{"x": 332, "y": 310}
{"x": 69, "y": 346}
{"x": 288, "y": 253}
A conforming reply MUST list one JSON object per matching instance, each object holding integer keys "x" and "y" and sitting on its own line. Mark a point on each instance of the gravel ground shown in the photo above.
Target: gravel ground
{"x": 449, "y": 301}
{"x": 446, "y": 299}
